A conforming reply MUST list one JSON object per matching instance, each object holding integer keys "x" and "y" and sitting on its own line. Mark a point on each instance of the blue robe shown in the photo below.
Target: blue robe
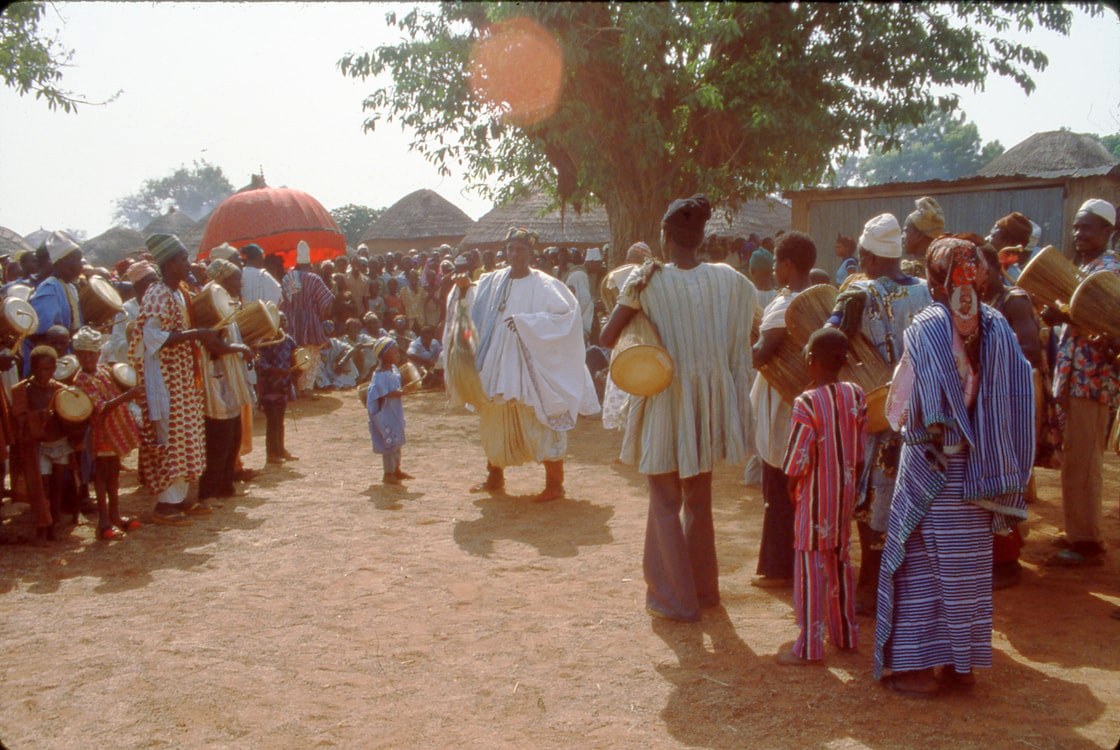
{"x": 386, "y": 415}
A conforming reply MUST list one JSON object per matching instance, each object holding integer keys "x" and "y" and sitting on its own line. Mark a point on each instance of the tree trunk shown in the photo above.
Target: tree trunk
{"x": 633, "y": 219}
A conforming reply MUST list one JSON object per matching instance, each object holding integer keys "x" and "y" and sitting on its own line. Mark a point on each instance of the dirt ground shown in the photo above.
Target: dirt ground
{"x": 325, "y": 610}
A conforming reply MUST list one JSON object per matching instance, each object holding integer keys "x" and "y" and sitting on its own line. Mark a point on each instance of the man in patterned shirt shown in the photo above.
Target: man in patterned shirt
{"x": 1086, "y": 385}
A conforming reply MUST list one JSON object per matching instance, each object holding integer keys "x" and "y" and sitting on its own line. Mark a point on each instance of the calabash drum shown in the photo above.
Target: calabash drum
{"x": 411, "y": 377}
{"x": 756, "y": 325}
{"x": 301, "y": 359}
{"x": 865, "y": 367}
{"x": 123, "y": 375}
{"x": 257, "y": 322}
{"x": 1050, "y": 278}
{"x": 66, "y": 369}
{"x": 1096, "y": 304}
{"x": 809, "y": 311}
{"x": 211, "y": 306}
{"x": 877, "y": 409}
{"x": 72, "y": 406}
{"x": 18, "y": 318}
{"x": 639, "y": 363}
{"x": 99, "y": 302}
{"x": 786, "y": 371}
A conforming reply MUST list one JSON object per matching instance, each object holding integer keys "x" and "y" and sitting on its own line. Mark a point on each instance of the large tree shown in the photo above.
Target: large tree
{"x": 31, "y": 62}
{"x": 660, "y": 100}
{"x": 193, "y": 190}
{"x": 354, "y": 219}
{"x": 944, "y": 147}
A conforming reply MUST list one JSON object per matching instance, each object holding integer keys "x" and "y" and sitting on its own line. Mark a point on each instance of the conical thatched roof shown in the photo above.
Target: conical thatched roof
{"x": 173, "y": 222}
{"x": 36, "y": 238}
{"x": 11, "y": 242}
{"x": 419, "y": 216}
{"x": 763, "y": 217}
{"x": 1053, "y": 151}
{"x": 112, "y": 245}
{"x": 590, "y": 227}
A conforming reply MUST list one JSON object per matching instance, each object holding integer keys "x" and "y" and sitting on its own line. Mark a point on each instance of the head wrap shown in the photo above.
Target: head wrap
{"x": 761, "y": 260}
{"x": 252, "y": 251}
{"x": 1015, "y": 228}
{"x": 1100, "y": 208}
{"x": 638, "y": 252}
{"x": 593, "y": 253}
{"x": 928, "y": 218}
{"x": 303, "y": 253}
{"x": 220, "y": 269}
{"x": 882, "y": 237}
{"x": 59, "y": 246}
{"x": 86, "y": 340}
{"x": 224, "y": 251}
{"x": 141, "y": 270}
{"x": 955, "y": 269}
{"x": 462, "y": 262}
{"x": 382, "y": 344}
{"x": 688, "y": 214}
{"x": 520, "y": 234}
{"x": 164, "y": 247}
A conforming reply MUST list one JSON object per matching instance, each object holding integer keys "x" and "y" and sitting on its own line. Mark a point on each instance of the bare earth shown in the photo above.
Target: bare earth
{"x": 325, "y": 610}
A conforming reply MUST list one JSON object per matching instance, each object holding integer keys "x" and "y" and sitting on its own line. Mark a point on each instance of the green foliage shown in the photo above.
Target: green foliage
{"x": 1111, "y": 142}
{"x": 664, "y": 99}
{"x": 195, "y": 191}
{"x": 944, "y": 147}
{"x": 31, "y": 63}
{"x": 354, "y": 220}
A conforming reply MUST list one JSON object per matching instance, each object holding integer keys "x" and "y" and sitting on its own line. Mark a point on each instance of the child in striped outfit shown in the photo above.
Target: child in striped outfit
{"x": 823, "y": 462}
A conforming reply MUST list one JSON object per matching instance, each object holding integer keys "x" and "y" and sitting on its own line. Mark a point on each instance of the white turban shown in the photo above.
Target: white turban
{"x": 224, "y": 251}
{"x": 59, "y": 246}
{"x": 1036, "y": 234}
{"x": 882, "y": 237}
{"x": 303, "y": 253}
{"x": 1100, "y": 208}
{"x": 593, "y": 253}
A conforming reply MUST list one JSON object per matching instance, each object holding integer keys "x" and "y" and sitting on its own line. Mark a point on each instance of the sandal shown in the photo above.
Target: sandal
{"x": 177, "y": 518}
{"x": 126, "y": 523}
{"x": 109, "y": 534}
{"x": 199, "y": 509}
{"x": 1069, "y": 558}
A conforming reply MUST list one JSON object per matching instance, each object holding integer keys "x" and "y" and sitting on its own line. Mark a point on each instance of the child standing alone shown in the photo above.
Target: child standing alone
{"x": 386, "y": 414}
{"x": 823, "y": 462}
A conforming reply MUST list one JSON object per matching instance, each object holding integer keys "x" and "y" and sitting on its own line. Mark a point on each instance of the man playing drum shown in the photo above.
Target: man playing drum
{"x": 530, "y": 361}
{"x": 56, "y": 299}
{"x": 880, "y": 308}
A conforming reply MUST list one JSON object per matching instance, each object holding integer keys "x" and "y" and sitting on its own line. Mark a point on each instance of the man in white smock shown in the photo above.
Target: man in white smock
{"x": 530, "y": 359}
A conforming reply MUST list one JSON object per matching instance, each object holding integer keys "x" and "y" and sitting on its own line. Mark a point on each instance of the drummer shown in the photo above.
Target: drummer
{"x": 1087, "y": 387}
{"x": 56, "y": 299}
{"x": 228, "y": 395}
{"x": 880, "y": 308}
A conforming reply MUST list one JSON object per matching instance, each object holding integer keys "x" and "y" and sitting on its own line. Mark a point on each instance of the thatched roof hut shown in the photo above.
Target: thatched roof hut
{"x": 1050, "y": 152}
{"x": 764, "y": 217}
{"x": 112, "y": 245}
{"x": 422, "y": 219}
{"x": 173, "y": 222}
{"x": 11, "y": 242}
{"x": 587, "y": 229}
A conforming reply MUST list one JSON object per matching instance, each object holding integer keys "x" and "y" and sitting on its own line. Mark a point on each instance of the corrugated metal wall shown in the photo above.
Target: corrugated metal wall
{"x": 973, "y": 211}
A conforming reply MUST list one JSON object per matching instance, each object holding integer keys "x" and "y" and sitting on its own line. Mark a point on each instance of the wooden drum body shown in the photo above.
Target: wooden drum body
{"x": 865, "y": 366}
{"x": 301, "y": 359}
{"x": 640, "y": 365}
{"x": 877, "y": 409}
{"x": 1095, "y": 305}
{"x": 99, "y": 302}
{"x": 411, "y": 377}
{"x": 211, "y": 306}
{"x": 257, "y": 322}
{"x": 809, "y": 311}
{"x": 18, "y": 319}
{"x": 1050, "y": 278}
{"x": 786, "y": 371}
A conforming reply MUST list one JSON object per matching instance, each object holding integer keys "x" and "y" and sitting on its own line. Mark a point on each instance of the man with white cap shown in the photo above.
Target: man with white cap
{"x": 56, "y": 298}
{"x": 307, "y": 302}
{"x": 1087, "y": 387}
{"x": 580, "y": 284}
{"x": 880, "y": 308}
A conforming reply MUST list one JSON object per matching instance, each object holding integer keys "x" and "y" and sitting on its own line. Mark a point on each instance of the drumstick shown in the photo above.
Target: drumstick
{"x": 225, "y": 321}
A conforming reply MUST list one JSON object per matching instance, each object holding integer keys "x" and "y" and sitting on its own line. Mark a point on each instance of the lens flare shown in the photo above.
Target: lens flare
{"x": 517, "y": 67}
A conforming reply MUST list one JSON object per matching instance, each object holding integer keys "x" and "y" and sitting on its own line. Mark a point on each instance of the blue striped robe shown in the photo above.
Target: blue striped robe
{"x": 998, "y": 434}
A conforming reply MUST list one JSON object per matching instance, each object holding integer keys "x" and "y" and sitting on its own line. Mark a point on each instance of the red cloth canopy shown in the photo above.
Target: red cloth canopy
{"x": 276, "y": 219}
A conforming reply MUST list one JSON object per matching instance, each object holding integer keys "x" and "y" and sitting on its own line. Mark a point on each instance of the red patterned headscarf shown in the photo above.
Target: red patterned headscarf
{"x": 955, "y": 270}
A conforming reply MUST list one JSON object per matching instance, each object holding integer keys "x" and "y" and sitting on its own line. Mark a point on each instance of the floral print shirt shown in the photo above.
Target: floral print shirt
{"x": 1082, "y": 369}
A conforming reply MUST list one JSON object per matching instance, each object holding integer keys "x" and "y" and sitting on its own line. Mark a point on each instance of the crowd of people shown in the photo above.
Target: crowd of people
{"x": 986, "y": 385}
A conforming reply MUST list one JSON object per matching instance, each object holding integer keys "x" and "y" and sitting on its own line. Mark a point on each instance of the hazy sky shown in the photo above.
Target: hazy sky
{"x": 246, "y": 85}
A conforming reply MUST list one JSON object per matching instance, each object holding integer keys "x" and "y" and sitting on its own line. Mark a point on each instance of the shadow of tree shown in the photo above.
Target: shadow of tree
{"x": 556, "y": 529}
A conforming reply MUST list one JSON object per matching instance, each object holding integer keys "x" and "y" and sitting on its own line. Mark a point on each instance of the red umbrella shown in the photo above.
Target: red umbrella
{"x": 276, "y": 219}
